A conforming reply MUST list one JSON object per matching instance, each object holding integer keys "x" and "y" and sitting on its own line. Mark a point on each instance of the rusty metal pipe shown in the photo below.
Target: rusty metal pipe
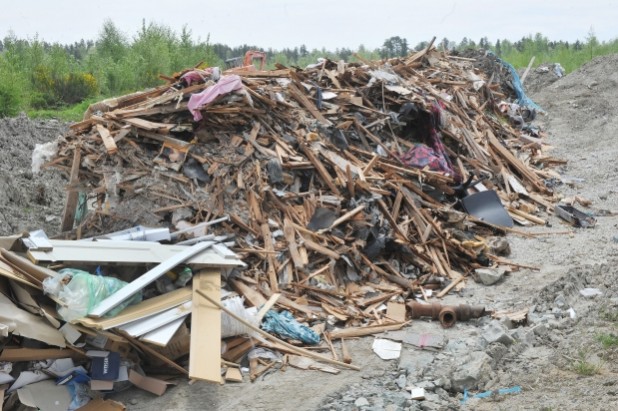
{"x": 448, "y": 315}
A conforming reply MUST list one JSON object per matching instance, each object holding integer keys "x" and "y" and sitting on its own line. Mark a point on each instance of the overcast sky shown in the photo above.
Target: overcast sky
{"x": 316, "y": 23}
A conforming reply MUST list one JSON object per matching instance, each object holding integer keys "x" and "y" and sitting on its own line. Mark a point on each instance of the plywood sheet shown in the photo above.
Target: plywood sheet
{"x": 205, "y": 356}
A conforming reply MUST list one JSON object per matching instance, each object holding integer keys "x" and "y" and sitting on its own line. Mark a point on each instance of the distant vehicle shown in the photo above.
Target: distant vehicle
{"x": 248, "y": 61}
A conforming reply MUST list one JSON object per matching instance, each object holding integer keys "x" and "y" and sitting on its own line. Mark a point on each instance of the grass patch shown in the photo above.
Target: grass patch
{"x": 608, "y": 340}
{"x": 70, "y": 113}
{"x": 584, "y": 367}
{"x": 608, "y": 314}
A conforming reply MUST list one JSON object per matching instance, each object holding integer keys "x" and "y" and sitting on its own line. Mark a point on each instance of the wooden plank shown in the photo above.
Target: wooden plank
{"x": 163, "y": 335}
{"x": 290, "y": 237}
{"x": 254, "y": 297}
{"x": 326, "y": 177}
{"x": 362, "y": 331}
{"x": 126, "y": 252}
{"x": 311, "y": 245}
{"x": 233, "y": 375}
{"x": 269, "y": 304}
{"x": 70, "y": 207}
{"x": 272, "y": 263}
{"x": 10, "y": 354}
{"x": 299, "y": 96}
{"x": 205, "y": 356}
{"x": 515, "y": 162}
{"x": 150, "y": 125}
{"x": 32, "y": 271}
{"x": 145, "y": 325}
{"x": 108, "y": 140}
{"x": 143, "y": 309}
{"x": 145, "y": 279}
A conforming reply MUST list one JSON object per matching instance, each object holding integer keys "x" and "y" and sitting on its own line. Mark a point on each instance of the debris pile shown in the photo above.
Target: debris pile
{"x": 279, "y": 209}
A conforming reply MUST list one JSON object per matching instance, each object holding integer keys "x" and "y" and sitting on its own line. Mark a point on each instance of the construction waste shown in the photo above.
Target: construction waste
{"x": 218, "y": 224}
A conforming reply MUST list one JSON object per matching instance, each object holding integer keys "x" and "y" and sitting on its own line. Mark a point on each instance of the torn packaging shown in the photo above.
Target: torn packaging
{"x": 20, "y": 322}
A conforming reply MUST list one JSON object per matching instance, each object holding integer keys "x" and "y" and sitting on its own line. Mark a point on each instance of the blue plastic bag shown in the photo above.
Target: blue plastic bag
{"x": 284, "y": 325}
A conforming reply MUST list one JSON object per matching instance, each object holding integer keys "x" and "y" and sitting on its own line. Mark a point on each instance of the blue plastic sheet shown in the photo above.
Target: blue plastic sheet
{"x": 284, "y": 325}
{"x": 522, "y": 99}
{"x": 486, "y": 394}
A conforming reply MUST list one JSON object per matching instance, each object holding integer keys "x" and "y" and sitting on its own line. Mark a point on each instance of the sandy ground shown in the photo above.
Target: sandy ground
{"x": 547, "y": 362}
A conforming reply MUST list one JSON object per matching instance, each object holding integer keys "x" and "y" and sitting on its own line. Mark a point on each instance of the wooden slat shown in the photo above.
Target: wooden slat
{"x": 107, "y": 138}
{"x": 205, "y": 356}
{"x": 144, "y": 309}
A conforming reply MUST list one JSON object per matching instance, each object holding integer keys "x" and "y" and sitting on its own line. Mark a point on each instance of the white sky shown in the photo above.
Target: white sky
{"x": 316, "y": 23}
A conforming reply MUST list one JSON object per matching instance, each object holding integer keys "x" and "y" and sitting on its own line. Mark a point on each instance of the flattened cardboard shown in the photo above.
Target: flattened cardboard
{"x": 149, "y": 384}
{"x": 26, "y": 378}
{"x": 23, "y": 323}
{"x": 101, "y": 385}
{"x": 46, "y": 396}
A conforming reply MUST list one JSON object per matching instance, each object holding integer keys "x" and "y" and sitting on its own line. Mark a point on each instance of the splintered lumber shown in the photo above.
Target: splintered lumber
{"x": 136, "y": 285}
{"x": 345, "y": 353}
{"x": 204, "y": 359}
{"x": 108, "y": 140}
{"x": 70, "y": 207}
{"x": 362, "y": 331}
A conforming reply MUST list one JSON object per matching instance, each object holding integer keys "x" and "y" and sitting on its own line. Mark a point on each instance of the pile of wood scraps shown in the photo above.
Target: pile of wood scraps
{"x": 341, "y": 186}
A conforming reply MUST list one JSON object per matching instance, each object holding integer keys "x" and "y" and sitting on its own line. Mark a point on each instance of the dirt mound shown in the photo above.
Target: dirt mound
{"x": 27, "y": 200}
{"x": 542, "y": 76}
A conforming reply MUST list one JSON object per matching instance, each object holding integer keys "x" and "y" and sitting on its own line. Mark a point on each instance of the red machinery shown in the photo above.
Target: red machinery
{"x": 248, "y": 62}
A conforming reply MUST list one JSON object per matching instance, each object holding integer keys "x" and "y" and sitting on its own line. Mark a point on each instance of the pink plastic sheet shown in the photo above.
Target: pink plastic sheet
{"x": 226, "y": 84}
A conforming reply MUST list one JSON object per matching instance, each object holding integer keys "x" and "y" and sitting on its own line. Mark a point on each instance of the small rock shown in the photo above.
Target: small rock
{"x": 495, "y": 332}
{"x": 401, "y": 381}
{"x": 133, "y": 401}
{"x": 541, "y": 330}
{"x": 430, "y": 406}
{"x": 347, "y": 398}
{"x": 523, "y": 336}
{"x": 361, "y": 402}
{"x": 489, "y": 276}
{"x": 391, "y": 407}
{"x": 560, "y": 301}
{"x": 499, "y": 246}
{"x": 414, "y": 362}
{"x": 474, "y": 371}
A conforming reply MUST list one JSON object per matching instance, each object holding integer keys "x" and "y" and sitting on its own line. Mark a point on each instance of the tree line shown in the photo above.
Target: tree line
{"x": 36, "y": 75}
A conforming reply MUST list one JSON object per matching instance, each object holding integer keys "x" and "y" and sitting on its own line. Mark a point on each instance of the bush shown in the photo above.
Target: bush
{"x": 11, "y": 99}
{"x": 55, "y": 89}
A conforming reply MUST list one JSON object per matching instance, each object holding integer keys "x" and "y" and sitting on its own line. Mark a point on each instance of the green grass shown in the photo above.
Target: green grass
{"x": 70, "y": 113}
{"x": 608, "y": 340}
{"x": 584, "y": 367}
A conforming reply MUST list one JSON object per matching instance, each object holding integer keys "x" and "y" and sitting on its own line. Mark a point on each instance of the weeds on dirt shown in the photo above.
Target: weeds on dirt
{"x": 584, "y": 367}
{"x": 609, "y": 314}
{"x": 608, "y": 340}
